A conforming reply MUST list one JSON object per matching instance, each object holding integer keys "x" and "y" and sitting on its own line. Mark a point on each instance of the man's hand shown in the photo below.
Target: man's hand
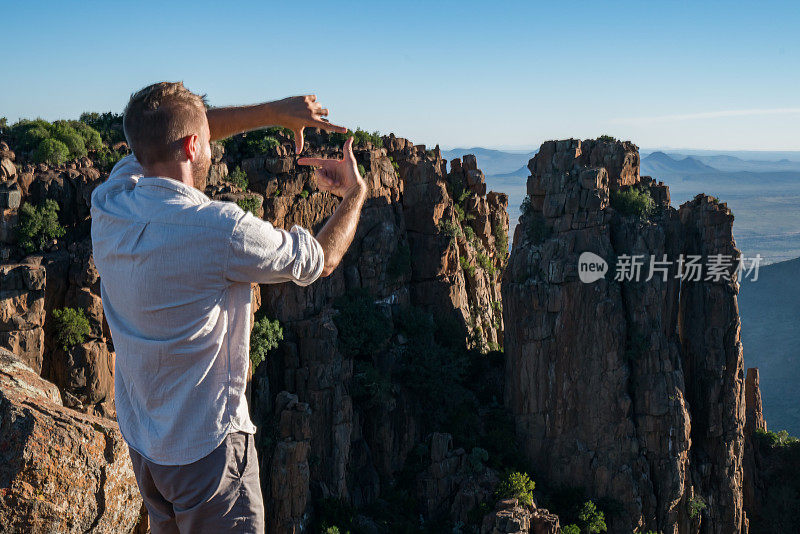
{"x": 338, "y": 176}
{"x": 298, "y": 112}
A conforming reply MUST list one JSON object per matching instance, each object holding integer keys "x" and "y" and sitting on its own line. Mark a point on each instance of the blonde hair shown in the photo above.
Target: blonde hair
{"x": 158, "y": 117}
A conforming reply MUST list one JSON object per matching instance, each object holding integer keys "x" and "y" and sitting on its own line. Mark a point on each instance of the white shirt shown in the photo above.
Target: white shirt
{"x": 175, "y": 271}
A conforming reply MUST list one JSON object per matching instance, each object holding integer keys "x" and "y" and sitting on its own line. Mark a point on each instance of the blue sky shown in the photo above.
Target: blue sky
{"x": 710, "y": 75}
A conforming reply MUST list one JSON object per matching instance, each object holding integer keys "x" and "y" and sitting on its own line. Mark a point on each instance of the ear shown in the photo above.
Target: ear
{"x": 191, "y": 147}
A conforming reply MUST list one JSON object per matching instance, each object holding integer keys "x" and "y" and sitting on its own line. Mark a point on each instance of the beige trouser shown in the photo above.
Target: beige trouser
{"x": 218, "y": 493}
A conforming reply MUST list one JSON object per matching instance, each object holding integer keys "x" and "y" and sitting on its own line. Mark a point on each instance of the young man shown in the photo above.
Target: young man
{"x": 175, "y": 271}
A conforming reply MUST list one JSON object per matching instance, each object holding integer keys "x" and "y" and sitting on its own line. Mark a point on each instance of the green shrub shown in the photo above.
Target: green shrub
{"x": 469, "y": 233}
{"x": 65, "y": 133}
{"x": 632, "y": 201}
{"x": 458, "y": 189}
{"x": 696, "y": 506}
{"x": 400, "y": 262}
{"x": 238, "y": 178}
{"x": 258, "y": 142}
{"x": 51, "y": 151}
{"x": 265, "y": 336}
{"x": 31, "y": 138}
{"x": 485, "y": 262}
{"x": 516, "y": 485}
{"x": 363, "y": 328}
{"x": 372, "y": 387}
{"x": 571, "y": 529}
{"x": 500, "y": 238}
{"x": 607, "y": 138}
{"x": 781, "y": 438}
{"x": 332, "y": 516}
{"x": 304, "y": 193}
{"x": 592, "y": 520}
{"x": 537, "y": 228}
{"x": 361, "y": 170}
{"x": 72, "y": 327}
{"x": 466, "y": 266}
{"x": 459, "y": 211}
{"x": 250, "y": 204}
{"x": 108, "y": 125}
{"x": 38, "y": 225}
{"x": 106, "y": 158}
{"x": 91, "y": 137}
{"x": 450, "y": 229}
{"x": 363, "y": 137}
{"x": 476, "y": 460}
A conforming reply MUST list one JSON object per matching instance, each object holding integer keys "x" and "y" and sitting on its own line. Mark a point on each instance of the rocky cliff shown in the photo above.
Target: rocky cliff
{"x": 407, "y": 388}
{"x": 350, "y": 394}
{"x": 631, "y": 388}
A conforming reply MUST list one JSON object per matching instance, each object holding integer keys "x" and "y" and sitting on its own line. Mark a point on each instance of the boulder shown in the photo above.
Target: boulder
{"x": 60, "y": 470}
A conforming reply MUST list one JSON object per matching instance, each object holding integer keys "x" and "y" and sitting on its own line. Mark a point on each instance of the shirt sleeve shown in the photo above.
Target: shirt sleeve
{"x": 261, "y": 253}
{"x": 123, "y": 176}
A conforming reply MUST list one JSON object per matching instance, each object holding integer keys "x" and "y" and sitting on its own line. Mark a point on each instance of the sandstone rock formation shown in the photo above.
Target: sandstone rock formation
{"x": 633, "y": 389}
{"x": 60, "y": 470}
{"x": 428, "y": 238}
{"x": 411, "y": 248}
{"x": 511, "y": 517}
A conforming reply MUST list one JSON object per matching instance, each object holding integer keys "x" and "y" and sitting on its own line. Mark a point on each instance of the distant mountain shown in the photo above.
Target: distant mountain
{"x": 492, "y": 162}
{"x": 724, "y": 162}
{"x": 770, "y": 313}
{"x": 659, "y": 163}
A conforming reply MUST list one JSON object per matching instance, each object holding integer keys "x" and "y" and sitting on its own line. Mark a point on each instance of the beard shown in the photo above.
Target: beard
{"x": 200, "y": 174}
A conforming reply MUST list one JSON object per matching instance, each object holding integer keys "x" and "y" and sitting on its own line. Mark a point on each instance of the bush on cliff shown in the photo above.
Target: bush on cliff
{"x": 51, "y": 151}
{"x": 500, "y": 238}
{"x": 372, "y": 388}
{"x": 363, "y": 328}
{"x": 265, "y": 336}
{"x": 536, "y": 228}
{"x": 591, "y": 519}
{"x": 632, "y": 201}
{"x": 238, "y": 178}
{"x": 72, "y": 327}
{"x": 516, "y": 485}
{"x": 400, "y": 262}
{"x": 108, "y": 125}
{"x": 55, "y": 143}
{"x": 38, "y": 225}
{"x": 249, "y": 204}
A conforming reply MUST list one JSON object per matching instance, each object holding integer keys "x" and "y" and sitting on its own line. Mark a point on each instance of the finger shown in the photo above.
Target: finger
{"x": 317, "y": 162}
{"x": 347, "y": 149}
{"x": 325, "y": 125}
{"x": 322, "y": 111}
{"x": 298, "y": 141}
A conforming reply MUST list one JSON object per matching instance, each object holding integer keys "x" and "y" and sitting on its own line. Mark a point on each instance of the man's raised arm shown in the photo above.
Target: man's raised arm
{"x": 294, "y": 113}
{"x": 341, "y": 178}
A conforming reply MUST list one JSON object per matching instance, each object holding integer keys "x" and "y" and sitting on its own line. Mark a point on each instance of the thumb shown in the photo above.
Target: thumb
{"x": 298, "y": 141}
{"x": 347, "y": 149}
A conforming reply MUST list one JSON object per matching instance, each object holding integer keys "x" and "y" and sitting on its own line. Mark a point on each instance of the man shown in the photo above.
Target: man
{"x": 176, "y": 269}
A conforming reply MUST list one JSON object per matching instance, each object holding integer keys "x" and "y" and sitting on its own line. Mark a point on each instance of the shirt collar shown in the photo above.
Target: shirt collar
{"x": 174, "y": 185}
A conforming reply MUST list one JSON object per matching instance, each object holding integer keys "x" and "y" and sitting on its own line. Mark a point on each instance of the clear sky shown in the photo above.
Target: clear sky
{"x": 706, "y": 75}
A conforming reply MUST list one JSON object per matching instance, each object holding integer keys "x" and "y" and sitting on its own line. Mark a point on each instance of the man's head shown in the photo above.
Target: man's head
{"x": 166, "y": 127}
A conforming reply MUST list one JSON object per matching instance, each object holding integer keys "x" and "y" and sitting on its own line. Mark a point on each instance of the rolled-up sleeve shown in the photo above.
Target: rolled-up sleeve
{"x": 261, "y": 253}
